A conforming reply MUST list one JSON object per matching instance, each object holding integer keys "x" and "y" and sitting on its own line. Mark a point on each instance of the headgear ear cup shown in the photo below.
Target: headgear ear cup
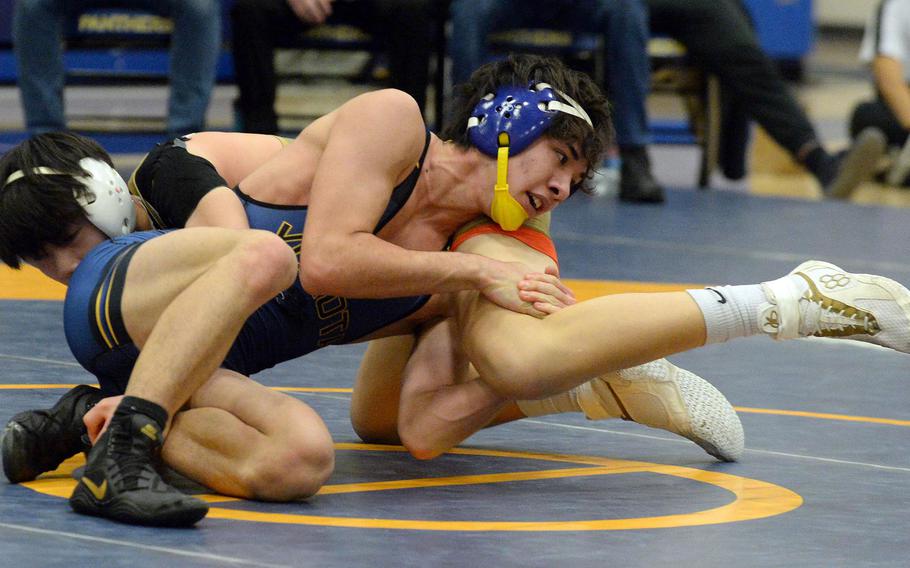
{"x": 109, "y": 207}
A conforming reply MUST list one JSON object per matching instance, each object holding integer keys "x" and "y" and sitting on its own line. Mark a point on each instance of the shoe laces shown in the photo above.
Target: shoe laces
{"x": 132, "y": 454}
{"x": 837, "y": 319}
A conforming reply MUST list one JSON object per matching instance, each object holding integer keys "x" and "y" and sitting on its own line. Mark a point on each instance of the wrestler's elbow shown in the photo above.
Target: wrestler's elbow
{"x": 320, "y": 273}
{"x": 420, "y": 444}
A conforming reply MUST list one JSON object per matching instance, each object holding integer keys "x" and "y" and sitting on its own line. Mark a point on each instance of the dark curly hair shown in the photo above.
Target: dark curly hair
{"x": 38, "y": 209}
{"x": 522, "y": 70}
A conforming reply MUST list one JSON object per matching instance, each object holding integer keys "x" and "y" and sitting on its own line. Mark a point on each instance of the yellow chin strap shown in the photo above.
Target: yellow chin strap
{"x": 506, "y": 210}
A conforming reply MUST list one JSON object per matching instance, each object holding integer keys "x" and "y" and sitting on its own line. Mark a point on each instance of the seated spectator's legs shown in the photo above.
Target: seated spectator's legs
{"x": 877, "y": 113}
{"x": 258, "y": 27}
{"x": 738, "y": 60}
{"x": 472, "y": 22}
{"x": 37, "y": 32}
{"x": 624, "y": 26}
{"x": 406, "y": 27}
{"x": 195, "y": 46}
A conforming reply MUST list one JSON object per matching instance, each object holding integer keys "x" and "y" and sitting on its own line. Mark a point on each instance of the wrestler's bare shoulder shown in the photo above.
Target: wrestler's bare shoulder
{"x": 387, "y": 115}
{"x": 234, "y": 154}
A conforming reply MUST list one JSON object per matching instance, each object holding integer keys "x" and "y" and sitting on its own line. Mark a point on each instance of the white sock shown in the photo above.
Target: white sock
{"x": 556, "y": 404}
{"x": 579, "y": 399}
{"x": 730, "y": 311}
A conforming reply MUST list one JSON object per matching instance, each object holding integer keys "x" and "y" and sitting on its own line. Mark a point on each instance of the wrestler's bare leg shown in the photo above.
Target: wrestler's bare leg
{"x": 243, "y": 439}
{"x": 528, "y": 358}
{"x": 441, "y": 404}
{"x": 186, "y": 297}
{"x": 377, "y": 389}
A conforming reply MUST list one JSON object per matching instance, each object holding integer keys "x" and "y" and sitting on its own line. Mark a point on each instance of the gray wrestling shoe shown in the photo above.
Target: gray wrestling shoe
{"x": 858, "y": 164}
{"x": 37, "y": 441}
{"x": 823, "y": 300}
{"x": 661, "y": 395}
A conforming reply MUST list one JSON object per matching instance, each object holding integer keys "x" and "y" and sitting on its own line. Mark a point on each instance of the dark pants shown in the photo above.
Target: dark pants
{"x": 718, "y": 36}
{"x": 878, "y": 114}
{"x": 404, "y": 27}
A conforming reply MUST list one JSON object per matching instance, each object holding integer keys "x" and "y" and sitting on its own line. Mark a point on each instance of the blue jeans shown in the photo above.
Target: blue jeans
{"x": 195, "y": 44}
{"x": 623, "y": 23}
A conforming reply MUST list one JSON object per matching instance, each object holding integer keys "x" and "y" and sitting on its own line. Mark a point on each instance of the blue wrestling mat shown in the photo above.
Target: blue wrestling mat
{"x": 824, "y": 481}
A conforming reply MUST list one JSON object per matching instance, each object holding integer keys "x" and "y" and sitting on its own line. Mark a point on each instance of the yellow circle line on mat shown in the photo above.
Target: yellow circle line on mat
{"x": 753, "y": 499}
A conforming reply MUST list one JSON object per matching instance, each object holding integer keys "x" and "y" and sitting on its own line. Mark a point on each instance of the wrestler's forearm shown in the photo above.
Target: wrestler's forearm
{"x": 219, "y": 208}
{"x": 363, "y": 266}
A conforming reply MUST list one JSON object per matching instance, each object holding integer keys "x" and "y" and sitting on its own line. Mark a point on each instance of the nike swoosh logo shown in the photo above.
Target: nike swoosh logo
{"x": 723, "y": 299}
{"x": 98, "y": 491}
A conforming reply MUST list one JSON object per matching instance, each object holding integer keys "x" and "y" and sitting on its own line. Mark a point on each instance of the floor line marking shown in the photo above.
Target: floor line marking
{"x": 681, "y": 440}
{"x": 40, "y": 360}
{"x": 823, "y": 416}
{"x": 174, "y": 551}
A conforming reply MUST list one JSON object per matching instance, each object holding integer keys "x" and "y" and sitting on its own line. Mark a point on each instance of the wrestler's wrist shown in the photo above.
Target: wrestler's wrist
{"x": 489, "y": 271}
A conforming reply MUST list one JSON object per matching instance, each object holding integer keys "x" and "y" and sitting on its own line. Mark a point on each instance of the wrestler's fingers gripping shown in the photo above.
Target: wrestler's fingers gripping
{"x": 99, "y": 416}
{"x": 543, "y": 288}
{"x": 550, "y": 278}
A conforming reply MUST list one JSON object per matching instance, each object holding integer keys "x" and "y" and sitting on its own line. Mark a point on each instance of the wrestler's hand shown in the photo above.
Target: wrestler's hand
{"x": 97, "y": 419}
{"x": 504, "y": 290}
{"x": 311, "y": 11}
{"x": 545, "y": 291}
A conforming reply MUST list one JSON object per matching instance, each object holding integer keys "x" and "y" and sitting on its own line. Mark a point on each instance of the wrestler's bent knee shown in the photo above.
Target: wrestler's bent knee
{"x": 292, "y": 473}
{"x": 266, "y": 264}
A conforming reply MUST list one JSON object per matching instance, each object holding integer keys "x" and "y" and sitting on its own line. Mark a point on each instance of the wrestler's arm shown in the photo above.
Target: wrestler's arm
{"x": 374, "y": 141}
{"x": 234, "y": 156}
{"x": 219, "y": 207}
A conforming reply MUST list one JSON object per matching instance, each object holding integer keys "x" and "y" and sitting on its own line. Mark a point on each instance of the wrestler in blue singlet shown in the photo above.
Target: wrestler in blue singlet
{"x": 293, "y": 324}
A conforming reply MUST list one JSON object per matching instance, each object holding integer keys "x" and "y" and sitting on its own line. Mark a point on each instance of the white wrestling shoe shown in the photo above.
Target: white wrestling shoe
{"x": 661, "y": 395}
{"x": 822, "y": 300}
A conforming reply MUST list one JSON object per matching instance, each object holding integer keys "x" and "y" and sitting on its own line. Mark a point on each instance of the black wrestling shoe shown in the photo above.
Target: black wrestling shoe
{"x": 120, "y": 481}
{"x": 36, "y": 441}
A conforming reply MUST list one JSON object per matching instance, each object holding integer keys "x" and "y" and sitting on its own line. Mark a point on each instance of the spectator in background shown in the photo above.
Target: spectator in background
{"x": 886, "y": 47}
{"x": 38, "y": 27}
{"x": 718, "y": 36}
{"x": 624, "y": 25}
{"x": 261, "y": 26}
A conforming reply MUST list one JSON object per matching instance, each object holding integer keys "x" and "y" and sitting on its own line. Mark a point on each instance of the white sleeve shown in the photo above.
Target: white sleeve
{"x": 888, "y": 32}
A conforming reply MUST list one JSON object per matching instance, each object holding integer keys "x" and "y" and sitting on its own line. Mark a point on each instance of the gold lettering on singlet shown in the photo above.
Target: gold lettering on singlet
{"x": 334, "y": 319}
{"x": 292, "y": 239}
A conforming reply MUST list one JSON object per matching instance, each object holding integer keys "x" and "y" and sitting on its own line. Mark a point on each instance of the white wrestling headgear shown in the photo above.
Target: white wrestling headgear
{"x": 107, "y": 203}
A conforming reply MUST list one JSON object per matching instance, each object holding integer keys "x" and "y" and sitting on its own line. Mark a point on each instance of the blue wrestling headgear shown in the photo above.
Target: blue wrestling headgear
{"x": 506, "y": 123}
{"x": 107, "y": 203}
